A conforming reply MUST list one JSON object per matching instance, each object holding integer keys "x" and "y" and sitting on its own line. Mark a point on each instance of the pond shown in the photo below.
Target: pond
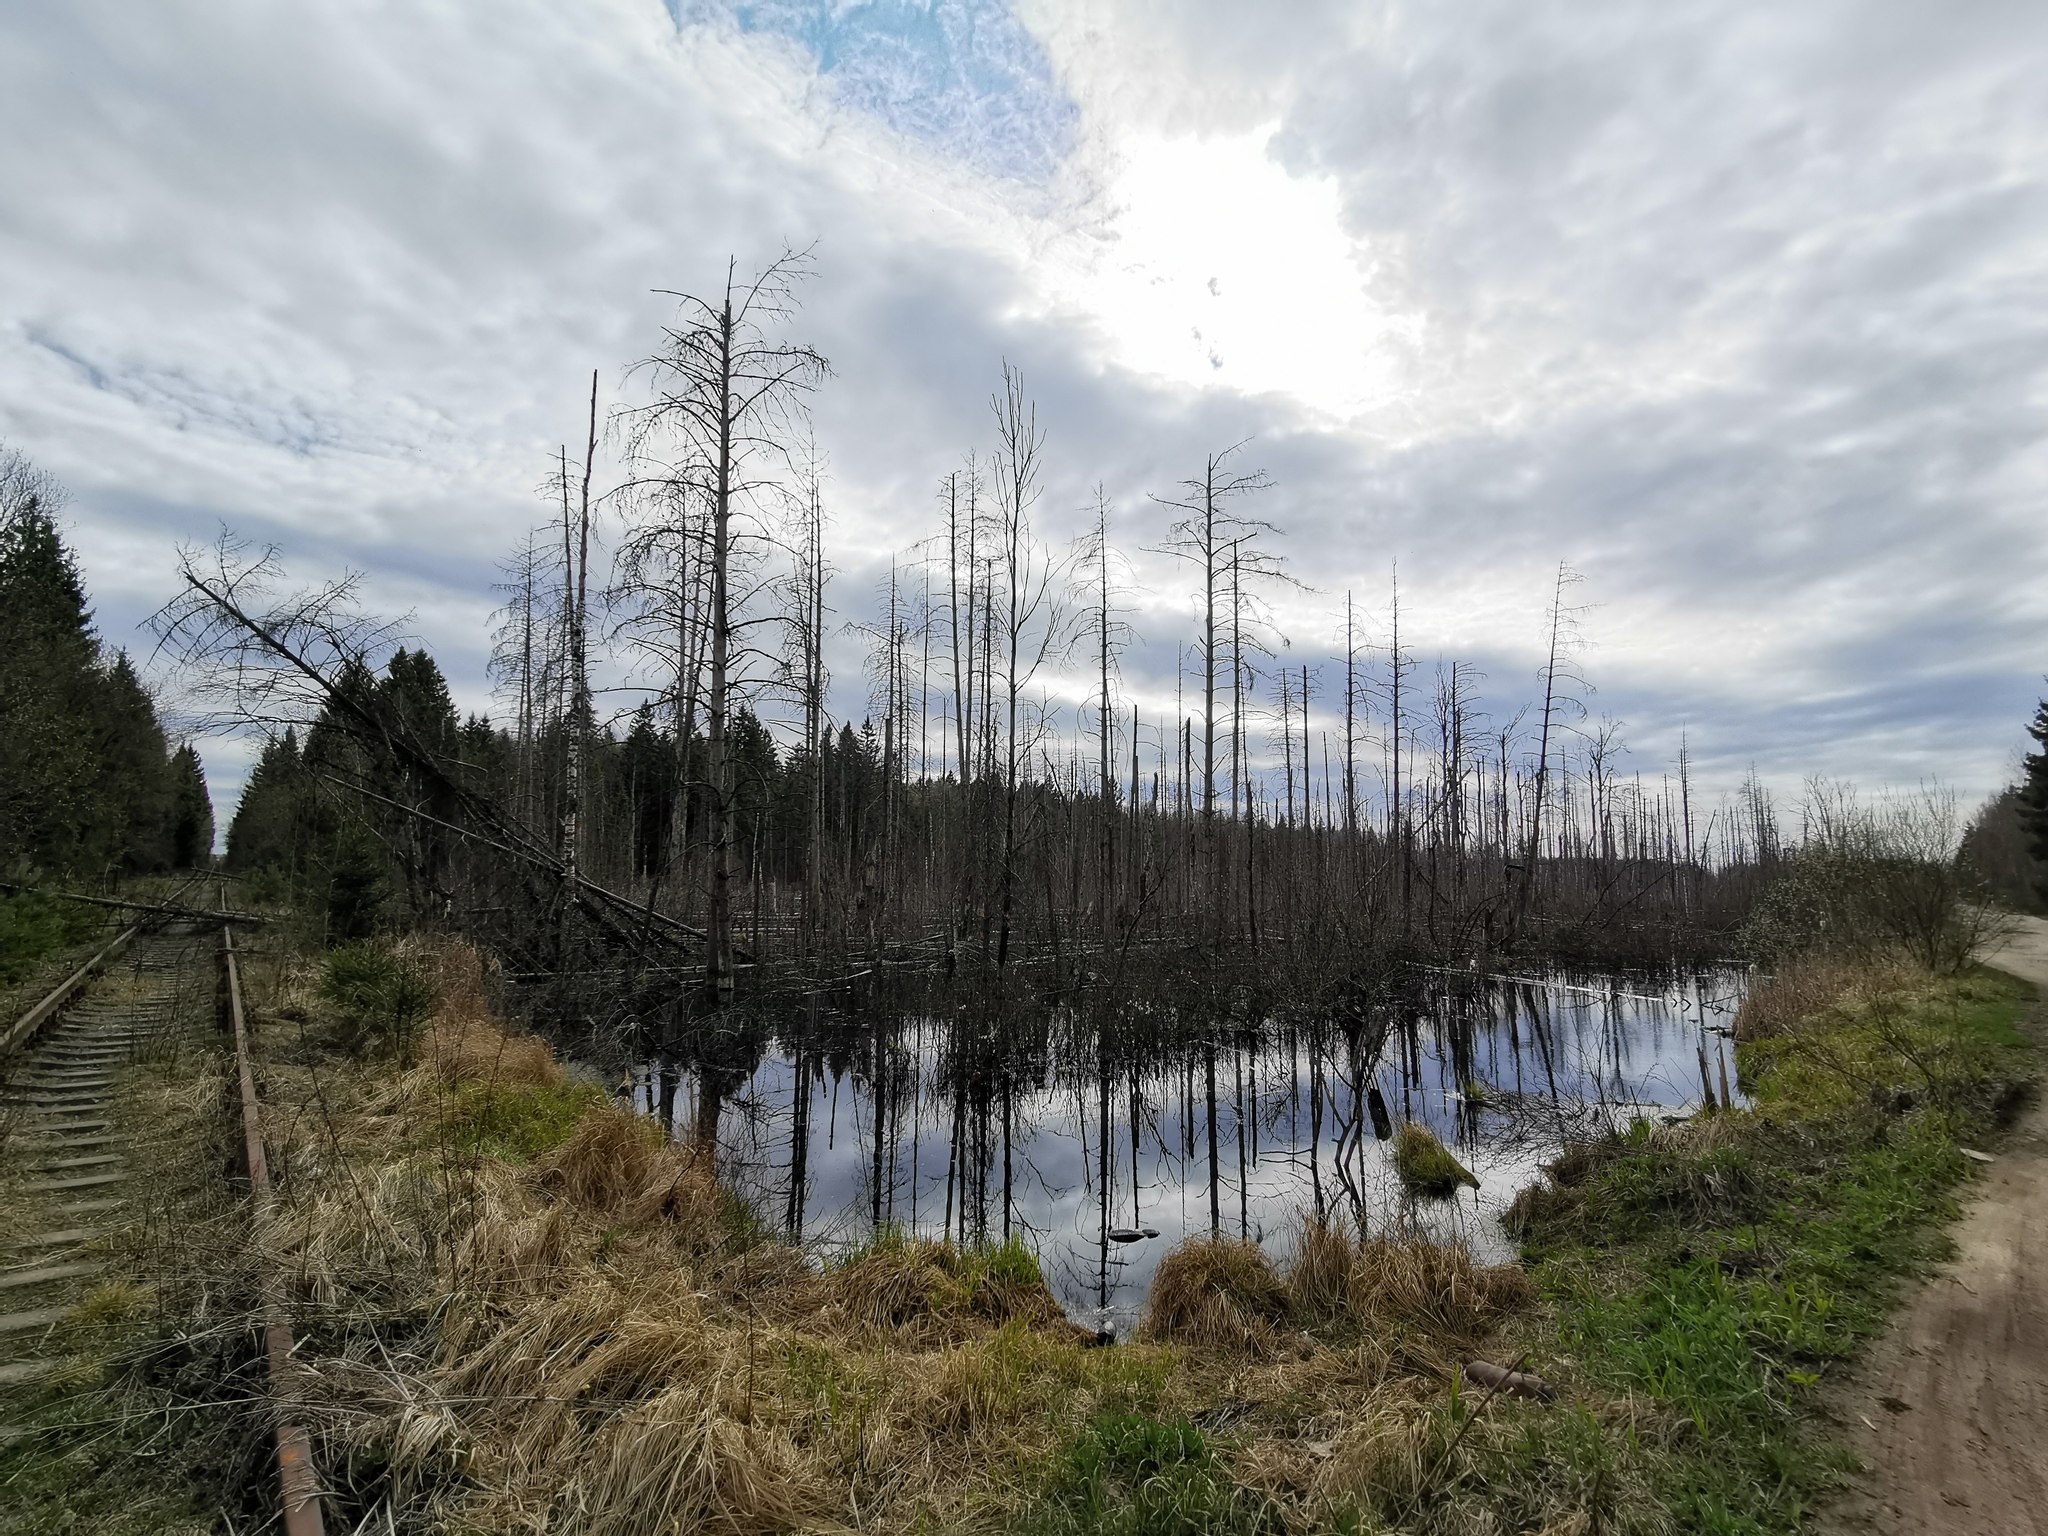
{"x": 1101, "y": 1147}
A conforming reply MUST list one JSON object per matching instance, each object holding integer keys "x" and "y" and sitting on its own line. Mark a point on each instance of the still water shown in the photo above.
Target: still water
{"x": 1101, "y": 1152}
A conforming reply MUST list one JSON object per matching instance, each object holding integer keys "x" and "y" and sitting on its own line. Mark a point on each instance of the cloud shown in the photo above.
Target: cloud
{"x": 1738, "y": 308}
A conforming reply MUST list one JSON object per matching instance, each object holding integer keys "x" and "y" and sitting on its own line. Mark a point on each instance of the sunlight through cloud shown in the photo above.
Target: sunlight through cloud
{"x": 1215, "y": 266}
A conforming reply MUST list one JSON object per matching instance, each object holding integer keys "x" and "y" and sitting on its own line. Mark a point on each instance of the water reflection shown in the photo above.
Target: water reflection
{"x": 1102, "y": 1142}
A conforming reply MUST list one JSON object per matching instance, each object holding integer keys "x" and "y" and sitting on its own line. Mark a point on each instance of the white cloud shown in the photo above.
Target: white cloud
{"x": 1740, "y": 308}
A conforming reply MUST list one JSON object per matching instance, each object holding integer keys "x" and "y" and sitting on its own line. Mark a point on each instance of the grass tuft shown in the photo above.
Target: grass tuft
{"x": 1216, "y": 1293}
{"x": 1425, "y": 1164}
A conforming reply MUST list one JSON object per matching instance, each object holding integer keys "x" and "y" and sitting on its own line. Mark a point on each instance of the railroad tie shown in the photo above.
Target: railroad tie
{"x": 64, "y": 1167}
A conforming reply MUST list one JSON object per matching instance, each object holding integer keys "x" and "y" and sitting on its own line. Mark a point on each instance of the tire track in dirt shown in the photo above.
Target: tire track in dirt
{"x": 1950, "y": 1411}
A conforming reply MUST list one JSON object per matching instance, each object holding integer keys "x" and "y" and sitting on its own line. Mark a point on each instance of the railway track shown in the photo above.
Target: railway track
{"x": 64, "y": 1167}
{"x": 65, "y": 1180}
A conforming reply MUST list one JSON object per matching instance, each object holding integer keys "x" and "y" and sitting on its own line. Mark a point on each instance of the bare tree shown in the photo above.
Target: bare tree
{"x": 1207, "y": 536}
{"x": 1027, "y": 612}
{"x": 1110, "y": 633}
{"x": 1560, "y": 705}
{"x": 733, "y": 394}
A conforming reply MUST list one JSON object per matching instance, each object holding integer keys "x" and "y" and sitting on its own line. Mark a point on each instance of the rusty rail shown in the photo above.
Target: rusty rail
{"x": 298, "y": 1486}
{"x": 24, "y": 1028}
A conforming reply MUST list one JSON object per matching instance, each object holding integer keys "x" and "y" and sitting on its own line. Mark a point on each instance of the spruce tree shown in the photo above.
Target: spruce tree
{"x": 191, "y": 811}
{"x": 2033, "y": 796}
{"x": 269, "y": 829}
{"x": 48, "y": 687}
{"x": 135, "y": 795}
{"x": 84, "y": 780}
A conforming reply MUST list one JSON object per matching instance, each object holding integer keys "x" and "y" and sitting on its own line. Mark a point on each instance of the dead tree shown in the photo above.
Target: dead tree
{"x": 1206, "y": 536}
{"x": 1027, "y": 610}
{"x": 731, "y": 394}
{"x": 1559, "y": 705}
{"x": 270, "y": 661}
{"x": 1110, "y": 634}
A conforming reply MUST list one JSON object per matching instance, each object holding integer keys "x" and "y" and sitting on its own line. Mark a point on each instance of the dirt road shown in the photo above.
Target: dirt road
{"x": 1950, "y": 1413}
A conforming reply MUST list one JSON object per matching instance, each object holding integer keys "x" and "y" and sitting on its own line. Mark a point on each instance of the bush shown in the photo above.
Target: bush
{"x": 380, "y": 996}
{"x": 1875, "y": 880}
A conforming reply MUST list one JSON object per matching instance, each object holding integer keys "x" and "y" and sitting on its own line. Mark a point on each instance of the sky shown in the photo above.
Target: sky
{"x": 1740, "y": 309}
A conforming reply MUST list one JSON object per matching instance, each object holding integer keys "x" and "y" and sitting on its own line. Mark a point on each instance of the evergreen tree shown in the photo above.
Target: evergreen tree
{"x": 135, "y": 796}
{"x": 191, "y": 811}
{"x": 2033, "y": 796}
{"x": 84, "y": 777}
{"x": 270, "y": 827}
{"x": 48, "y": 688}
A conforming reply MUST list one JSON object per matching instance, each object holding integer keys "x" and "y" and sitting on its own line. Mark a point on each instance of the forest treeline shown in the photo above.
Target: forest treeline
{"x": 90, "y": 786}
{"x": 1000, "y": 797}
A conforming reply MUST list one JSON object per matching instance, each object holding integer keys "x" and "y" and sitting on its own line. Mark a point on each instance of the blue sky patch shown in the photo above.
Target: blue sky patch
{"x": 960, "y": 74}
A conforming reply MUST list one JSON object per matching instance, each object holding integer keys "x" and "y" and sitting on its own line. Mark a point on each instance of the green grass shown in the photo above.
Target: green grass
{"x": 519, "y": 1124}
{"x": 34, "y": 925}
{"x": 1728, "y": 1283}
{"x": 1127, "y": 1474}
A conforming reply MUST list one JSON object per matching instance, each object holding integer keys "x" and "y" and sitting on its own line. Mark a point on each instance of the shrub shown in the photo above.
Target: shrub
{"x": 1870, "y": 880}
{"x": 381, "y": 997}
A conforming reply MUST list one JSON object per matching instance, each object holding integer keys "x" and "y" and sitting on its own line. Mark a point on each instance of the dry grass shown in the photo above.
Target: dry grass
{"x": 598, "y": 1339}
{"x": 1776, "y": 1005}
{"x": 1385, "y": 1283}
{"x": 1215, "y": 1293}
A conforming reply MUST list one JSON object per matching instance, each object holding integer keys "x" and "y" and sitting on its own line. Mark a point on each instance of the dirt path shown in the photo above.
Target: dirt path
{"x": 1950, "y": 1413}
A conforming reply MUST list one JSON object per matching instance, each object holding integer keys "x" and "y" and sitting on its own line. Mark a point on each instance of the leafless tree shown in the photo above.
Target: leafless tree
{"x": 731, "y": 393}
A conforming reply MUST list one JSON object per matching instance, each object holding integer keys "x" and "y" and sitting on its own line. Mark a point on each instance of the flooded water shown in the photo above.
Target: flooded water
{"x": 1102, "y": 1147}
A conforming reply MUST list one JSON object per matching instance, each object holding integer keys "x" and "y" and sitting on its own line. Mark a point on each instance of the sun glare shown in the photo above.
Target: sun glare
{"x": 1215, "y": 266}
